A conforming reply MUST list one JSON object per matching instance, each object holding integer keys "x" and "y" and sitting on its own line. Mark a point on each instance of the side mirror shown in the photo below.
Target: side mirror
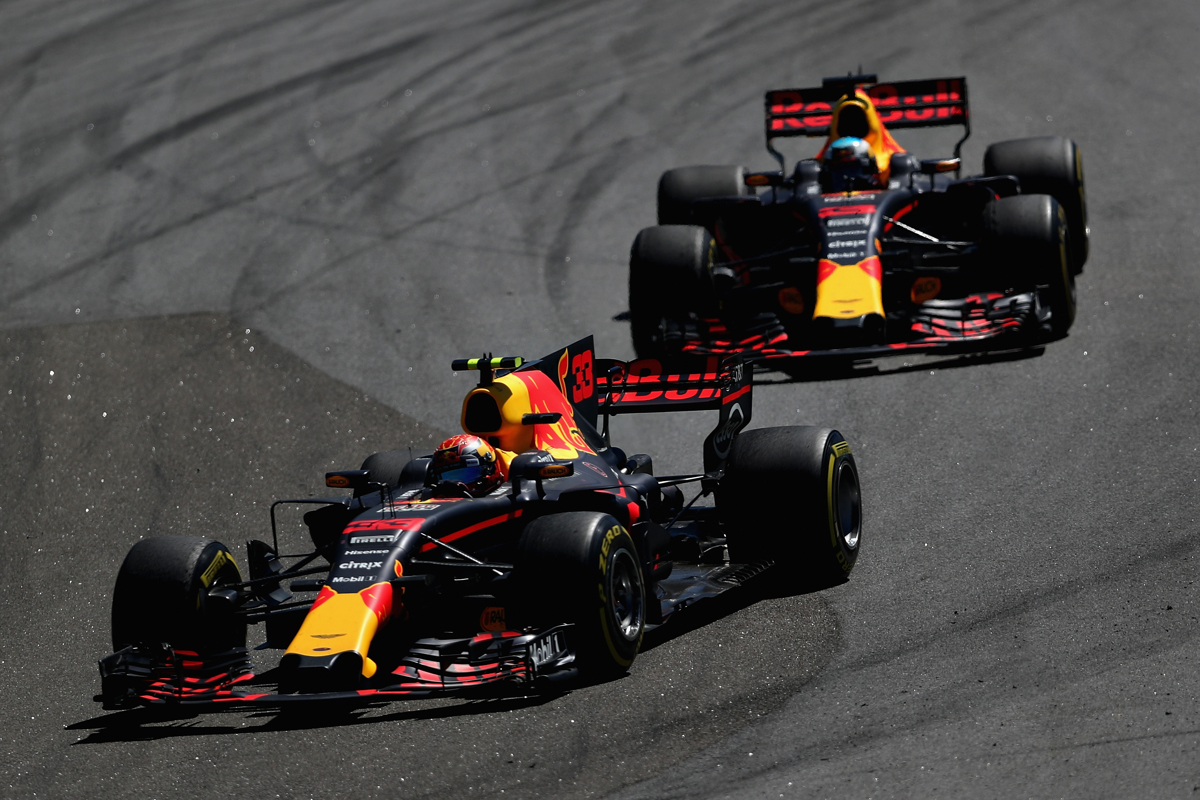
{"x": 536, "y": 467}
{"x": 347, "y": 479}
{"x": 932, "y": 166}
{"x": 772, "y": 178}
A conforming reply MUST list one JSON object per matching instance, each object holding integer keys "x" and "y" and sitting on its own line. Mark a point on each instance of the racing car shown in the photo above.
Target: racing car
{"x": 863, "y": 251}
{"x": 413, "y": 584}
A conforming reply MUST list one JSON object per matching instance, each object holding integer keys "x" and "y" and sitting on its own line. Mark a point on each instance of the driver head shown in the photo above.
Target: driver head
{"x": 849, "y": 165}
{"x": 468, "y": 460}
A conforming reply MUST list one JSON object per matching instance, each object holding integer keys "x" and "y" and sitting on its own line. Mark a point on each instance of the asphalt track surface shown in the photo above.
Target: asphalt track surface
{"x": 240, "y": 244}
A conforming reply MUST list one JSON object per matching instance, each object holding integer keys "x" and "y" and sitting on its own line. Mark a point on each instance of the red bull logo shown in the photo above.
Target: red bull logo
{"x": 846, "y": 291}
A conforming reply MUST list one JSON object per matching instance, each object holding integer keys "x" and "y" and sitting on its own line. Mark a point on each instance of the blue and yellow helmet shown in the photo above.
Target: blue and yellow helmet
{"x": 849, "y": 165}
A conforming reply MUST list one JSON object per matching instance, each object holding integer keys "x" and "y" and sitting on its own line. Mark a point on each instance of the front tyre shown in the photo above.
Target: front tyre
{"x": 161, "y": 596}
{"x": 792, "y": 495}
{"x": 386, "y": 467}
{"x": 583, "y": 567}
{"x": 1028, "y": 236}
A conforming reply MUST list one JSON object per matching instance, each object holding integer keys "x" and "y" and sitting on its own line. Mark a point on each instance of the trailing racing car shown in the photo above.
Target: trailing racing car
{"x": 528, "y": 549}
{"x": 863, "y": 250}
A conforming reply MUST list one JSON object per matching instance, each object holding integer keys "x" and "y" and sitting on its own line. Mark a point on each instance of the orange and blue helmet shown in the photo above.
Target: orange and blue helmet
{"x": 849, "y": 149}
{"x": 468, "y": 460}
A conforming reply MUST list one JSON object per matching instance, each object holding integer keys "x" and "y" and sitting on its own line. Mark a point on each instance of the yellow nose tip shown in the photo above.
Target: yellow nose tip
{"x": 848, "y": 290}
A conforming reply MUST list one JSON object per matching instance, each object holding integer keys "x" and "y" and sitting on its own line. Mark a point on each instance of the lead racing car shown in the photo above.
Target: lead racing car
{"x": 863, "y": 251}
{"x": 528, "y": 549}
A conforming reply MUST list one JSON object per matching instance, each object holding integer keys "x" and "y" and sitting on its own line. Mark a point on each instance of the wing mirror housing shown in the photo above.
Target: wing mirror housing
{"x": 933, "y": 166}
{"x": 537, "y": 466}
{"x": 355, "y": 479}
{"x": 771, "y": 178}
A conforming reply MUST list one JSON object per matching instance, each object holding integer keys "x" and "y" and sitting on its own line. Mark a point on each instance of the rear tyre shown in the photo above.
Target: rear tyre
{"x": 1049, "y": 165}
{"x": 583, "y": 567}
{"x": 161, "y": 596}
{"x": 670, "y": 269}
{"x": 678, "y": 188}
{"x": 1028, "y": 234}
{"x": 792, "y": 495}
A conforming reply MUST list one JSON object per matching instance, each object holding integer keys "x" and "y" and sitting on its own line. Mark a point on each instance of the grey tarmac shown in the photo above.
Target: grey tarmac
{"x": 361, "y": 192}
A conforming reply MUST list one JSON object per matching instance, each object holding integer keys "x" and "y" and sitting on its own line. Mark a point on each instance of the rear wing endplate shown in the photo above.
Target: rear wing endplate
{"x": 643, "y": 386}
{"x": 903, "y": 104}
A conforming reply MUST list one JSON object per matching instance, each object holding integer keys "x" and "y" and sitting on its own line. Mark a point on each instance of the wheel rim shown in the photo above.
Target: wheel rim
{"x": 849, "y": 504}
{"x": 626, "y": 601}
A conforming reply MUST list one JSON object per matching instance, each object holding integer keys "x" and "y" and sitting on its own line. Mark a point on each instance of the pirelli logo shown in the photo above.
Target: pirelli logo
{"x": 210, "y": 574}
{"x": 841, "y": 449}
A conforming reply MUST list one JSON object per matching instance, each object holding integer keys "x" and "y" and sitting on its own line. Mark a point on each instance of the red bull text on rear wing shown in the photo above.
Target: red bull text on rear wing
{"x": 904, "y": 104}
{"x": 716, "y": 383}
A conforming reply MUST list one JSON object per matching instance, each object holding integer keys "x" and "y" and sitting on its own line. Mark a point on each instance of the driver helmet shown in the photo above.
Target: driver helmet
{"x": 468, "y": 460}
{"x": 850, "y": 164}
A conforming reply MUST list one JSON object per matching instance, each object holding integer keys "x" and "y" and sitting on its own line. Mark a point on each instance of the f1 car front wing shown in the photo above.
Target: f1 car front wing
{"x": 146, "y": 676}
{"x": 938, "y": 325}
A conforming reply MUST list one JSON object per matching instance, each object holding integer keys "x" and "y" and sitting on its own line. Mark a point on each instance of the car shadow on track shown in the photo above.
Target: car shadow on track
{"x": 146, "y": 724}
{"x": 840, "y": 371}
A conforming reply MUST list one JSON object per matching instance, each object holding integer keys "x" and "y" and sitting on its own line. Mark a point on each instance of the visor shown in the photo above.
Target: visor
{"x": 468, "y": 472}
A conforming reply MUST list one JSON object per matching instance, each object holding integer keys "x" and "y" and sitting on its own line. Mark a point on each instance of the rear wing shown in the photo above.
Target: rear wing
{"x": 903, "y": 104}
{"x": 642, "y": 387}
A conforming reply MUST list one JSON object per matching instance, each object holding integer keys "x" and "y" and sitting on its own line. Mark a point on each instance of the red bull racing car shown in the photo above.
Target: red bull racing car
{"x": 529, "y": 550}
{"x": 863, "y": 251}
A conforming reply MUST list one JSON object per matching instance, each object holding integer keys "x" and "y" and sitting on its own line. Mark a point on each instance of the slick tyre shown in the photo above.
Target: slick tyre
{"x": 792, "y": 495}
{"x": 1048, "y": 165}
{"x": 396, "y": 470}
{"x": 1028, "y": 235}
{"x": 386, "y": 467}
{"x": 582, "y": 567}
{"x": 670, "y": 276}
{"x": 679, "y": 188}
{"x": 161, "y": 596}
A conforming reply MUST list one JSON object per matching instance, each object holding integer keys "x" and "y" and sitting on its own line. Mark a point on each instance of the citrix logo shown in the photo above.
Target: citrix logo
{"x": 360, "y": 565}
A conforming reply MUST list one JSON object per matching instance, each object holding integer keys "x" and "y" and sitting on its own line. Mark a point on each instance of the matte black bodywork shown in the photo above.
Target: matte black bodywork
{"x": 944, "y": 285}
{"x": 927, "y": 229}
{"x": 461, "y": 614}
